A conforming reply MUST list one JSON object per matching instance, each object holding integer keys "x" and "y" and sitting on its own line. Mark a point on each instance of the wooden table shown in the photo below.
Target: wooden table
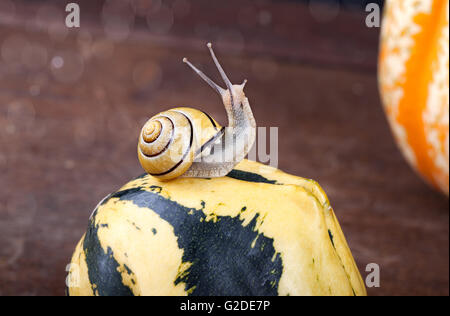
{"x": 72, "y": 103}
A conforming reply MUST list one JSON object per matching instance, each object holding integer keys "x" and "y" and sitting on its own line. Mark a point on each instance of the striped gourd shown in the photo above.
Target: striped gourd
{"x": 257, "y": 231}
{"x": 414, "y": 83}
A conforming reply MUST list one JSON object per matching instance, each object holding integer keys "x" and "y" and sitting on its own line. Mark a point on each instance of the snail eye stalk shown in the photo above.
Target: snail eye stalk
{"x": 213, "y": 85}
{"x": 224, "y": 76}
{"x": 219, "y": 67}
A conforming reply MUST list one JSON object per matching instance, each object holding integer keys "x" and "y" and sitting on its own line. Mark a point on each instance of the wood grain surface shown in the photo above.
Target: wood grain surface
{"x": 72, "y": 103}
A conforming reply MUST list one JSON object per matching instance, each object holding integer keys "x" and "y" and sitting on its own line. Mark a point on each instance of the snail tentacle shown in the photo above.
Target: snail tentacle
{"x": 213, "y": 85}
{"x": 222, "y": 72}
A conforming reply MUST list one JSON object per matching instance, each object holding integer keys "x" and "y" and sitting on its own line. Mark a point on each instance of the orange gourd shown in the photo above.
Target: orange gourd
{"x": 414, "y": 83}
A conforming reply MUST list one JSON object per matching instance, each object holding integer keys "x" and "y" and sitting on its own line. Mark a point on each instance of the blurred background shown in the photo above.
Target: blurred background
{"x": 72, "y": 102}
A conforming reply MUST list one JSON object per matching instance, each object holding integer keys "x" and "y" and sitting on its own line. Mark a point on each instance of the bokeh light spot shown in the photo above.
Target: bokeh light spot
{"x": 264, "y": 69}
{"x": 161, "y": 21}
{"x": 20, "y": 116}
{"x": 57, "y": 62}
{"x": 247, "y": 17}
{"x": 265, "y": 18}
{"x": 181, "y": 8}
{"x": 34, "y": 56}
{"x": 324, "y": 11}
{"x": 118, "y": 19}
{"x": 147, "y": 75}
{"x": 10, "y": 48}
{"x": 7, "y": 11}
{"x": 67, "y": 67}
{"x": 103, "y": 49}
{"x": 52, "y": 19}
{"x": 232, "y": 41}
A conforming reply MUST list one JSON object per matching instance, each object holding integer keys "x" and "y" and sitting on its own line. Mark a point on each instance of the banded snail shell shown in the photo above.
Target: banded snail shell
{"x": 170, "y": 141}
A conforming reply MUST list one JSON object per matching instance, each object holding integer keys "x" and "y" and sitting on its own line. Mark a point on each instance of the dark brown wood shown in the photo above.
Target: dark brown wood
{"x": 68, "y": 135}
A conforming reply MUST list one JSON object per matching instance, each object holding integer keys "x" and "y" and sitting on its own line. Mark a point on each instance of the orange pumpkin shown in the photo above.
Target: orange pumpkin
{"x": 413, "y": 77}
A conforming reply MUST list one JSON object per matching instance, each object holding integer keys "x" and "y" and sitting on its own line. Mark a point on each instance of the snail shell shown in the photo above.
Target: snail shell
{"x": 170, "y": 141}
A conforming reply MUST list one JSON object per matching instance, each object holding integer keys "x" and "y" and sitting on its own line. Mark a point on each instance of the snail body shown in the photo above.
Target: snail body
{"x": 190, "y": 143}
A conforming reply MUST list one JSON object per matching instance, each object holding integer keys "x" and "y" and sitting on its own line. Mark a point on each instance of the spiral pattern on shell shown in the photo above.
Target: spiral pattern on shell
{"x": 166, "y": 145}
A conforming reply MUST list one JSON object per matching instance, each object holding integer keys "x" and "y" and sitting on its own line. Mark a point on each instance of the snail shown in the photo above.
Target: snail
{"x": 186, "y": 142}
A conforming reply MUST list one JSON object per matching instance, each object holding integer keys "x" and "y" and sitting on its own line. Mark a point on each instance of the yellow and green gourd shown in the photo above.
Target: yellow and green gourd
{"x": 237, "y": 228}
